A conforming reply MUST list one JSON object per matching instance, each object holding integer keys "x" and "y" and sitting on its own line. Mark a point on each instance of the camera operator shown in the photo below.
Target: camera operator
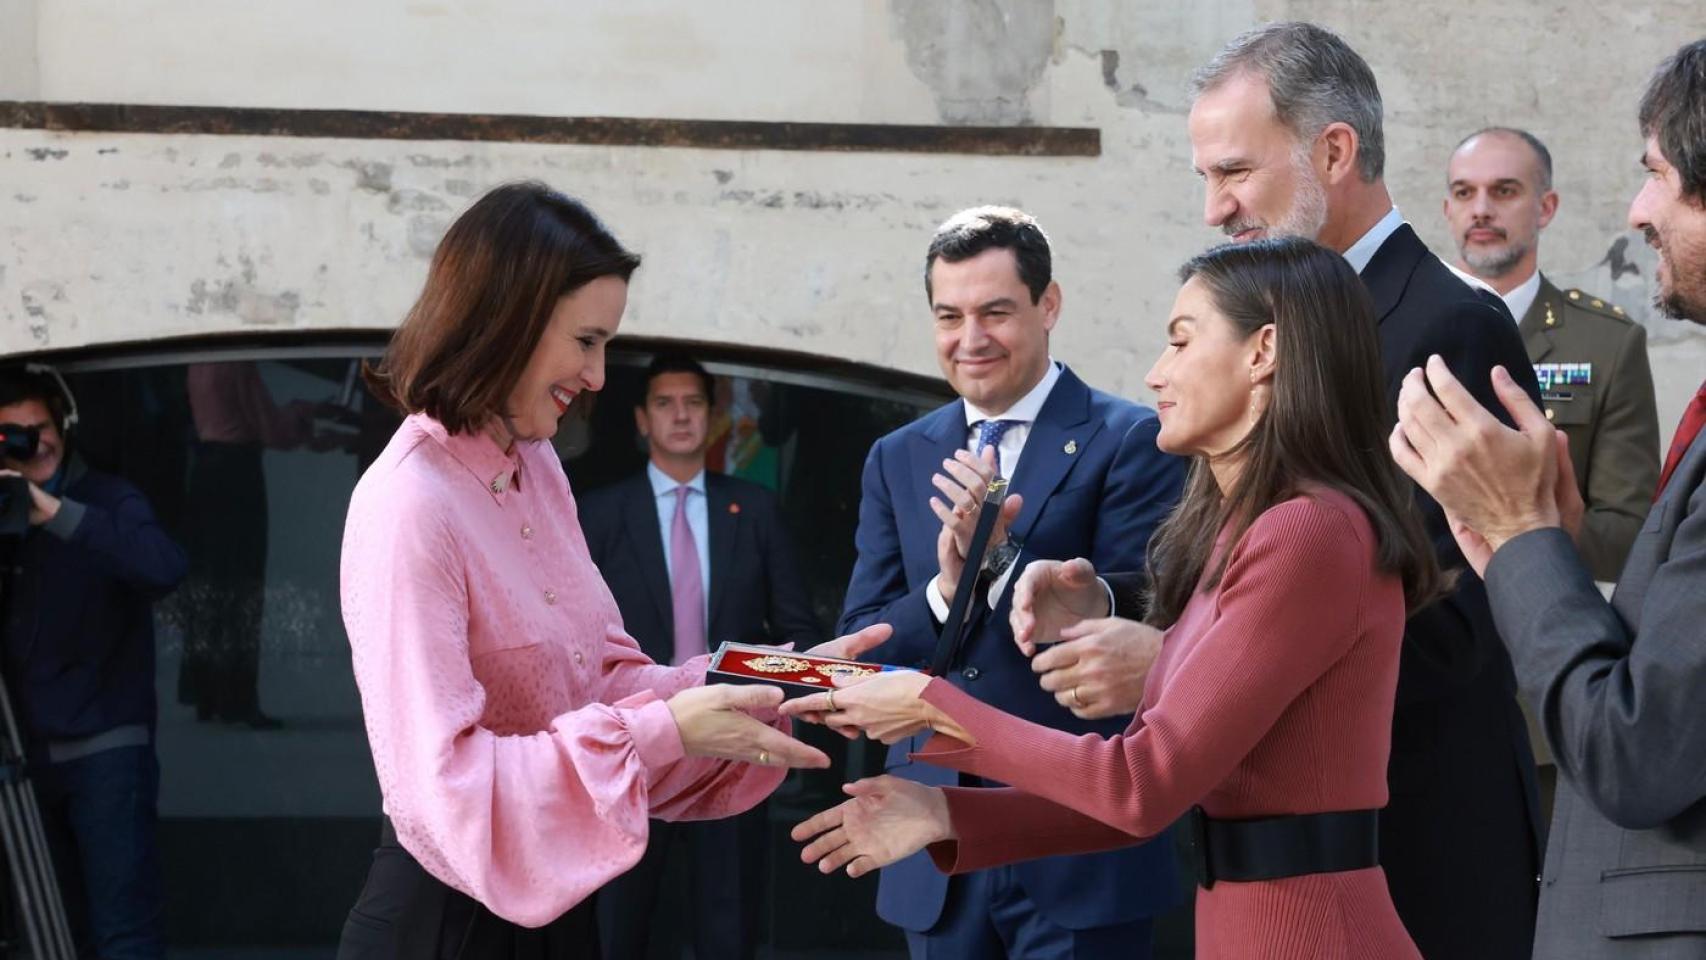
{"x": 78, "y": 642}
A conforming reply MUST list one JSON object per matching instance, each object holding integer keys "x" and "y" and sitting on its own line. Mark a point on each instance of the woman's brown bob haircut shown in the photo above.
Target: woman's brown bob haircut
{"x": 494, "y": 281}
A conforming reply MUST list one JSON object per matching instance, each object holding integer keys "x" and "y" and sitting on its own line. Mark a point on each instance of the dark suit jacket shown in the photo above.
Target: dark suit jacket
{"x": 756, "y": 594}
{"x": 1460, "y": 836}
{"x": 1618, "y": 688}
{"x": 1612, "y": 421}
{"x": 1094, "y": 486}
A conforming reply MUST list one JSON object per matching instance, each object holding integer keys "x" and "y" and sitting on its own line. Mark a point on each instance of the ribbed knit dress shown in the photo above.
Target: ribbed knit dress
{"x": 1272, "y": 695}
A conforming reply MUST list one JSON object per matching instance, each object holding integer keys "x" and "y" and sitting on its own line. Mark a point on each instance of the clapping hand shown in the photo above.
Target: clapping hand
{"x": 1100, "y": 668}
{"x": 886, "y": 820}
{"x": 1495, "y": 483}
{"x": 1051, "y": 596}
{"x": 963, "y": 482}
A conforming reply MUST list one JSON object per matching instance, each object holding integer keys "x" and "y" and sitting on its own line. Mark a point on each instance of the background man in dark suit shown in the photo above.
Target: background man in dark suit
{"x": 1089, "y": 481}
{"x": 694, "y": 559}
{"x": 1618, "y": 684}
{"x": 1286, "y": 132}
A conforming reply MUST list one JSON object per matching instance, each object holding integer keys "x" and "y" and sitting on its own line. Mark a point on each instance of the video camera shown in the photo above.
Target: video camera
{"x": 17, "y": 444}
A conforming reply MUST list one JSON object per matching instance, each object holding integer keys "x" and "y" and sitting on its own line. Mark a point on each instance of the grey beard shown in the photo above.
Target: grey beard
{"x": 1496, "y": 263}
{"x": 1308, "y": 213}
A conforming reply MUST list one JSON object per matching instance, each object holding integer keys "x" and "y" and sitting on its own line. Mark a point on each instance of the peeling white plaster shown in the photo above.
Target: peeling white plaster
{"x": 107, "y": 238}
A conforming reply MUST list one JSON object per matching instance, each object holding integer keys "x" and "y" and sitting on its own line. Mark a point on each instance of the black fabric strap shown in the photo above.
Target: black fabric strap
{"x": 1271, "y": 848}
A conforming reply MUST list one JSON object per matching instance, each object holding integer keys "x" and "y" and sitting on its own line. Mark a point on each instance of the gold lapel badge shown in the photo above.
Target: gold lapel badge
{"x": 1071, "y": 447}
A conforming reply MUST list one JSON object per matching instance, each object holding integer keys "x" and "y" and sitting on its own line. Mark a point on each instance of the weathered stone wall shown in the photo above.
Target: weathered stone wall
{"x": 110, "y": 238}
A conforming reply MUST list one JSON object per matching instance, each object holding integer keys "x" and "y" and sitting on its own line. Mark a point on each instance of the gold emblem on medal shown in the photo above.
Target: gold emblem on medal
{"x": 843, "y": 671}
{"x": 770, "y": 663}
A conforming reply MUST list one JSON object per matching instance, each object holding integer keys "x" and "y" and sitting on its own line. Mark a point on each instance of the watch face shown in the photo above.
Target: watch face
{"x": 998, "y": 559}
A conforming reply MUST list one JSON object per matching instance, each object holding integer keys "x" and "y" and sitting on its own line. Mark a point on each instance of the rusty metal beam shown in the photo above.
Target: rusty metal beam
{"x": 511, "y": 128}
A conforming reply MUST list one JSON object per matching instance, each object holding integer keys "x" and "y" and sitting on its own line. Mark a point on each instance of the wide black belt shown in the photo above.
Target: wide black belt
{"x": 1274, "y": 847}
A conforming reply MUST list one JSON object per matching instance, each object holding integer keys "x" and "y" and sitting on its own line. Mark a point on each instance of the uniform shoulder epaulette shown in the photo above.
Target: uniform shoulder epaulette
{"x": 1593, "y": 304}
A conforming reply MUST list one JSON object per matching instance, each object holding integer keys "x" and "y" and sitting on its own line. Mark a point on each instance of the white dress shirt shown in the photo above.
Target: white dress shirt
{"x": 698, "y": 520}
{"x": 1007, "y": 452}
{"x": 1364, "y": 250}
{"x": 1520, "y": 299}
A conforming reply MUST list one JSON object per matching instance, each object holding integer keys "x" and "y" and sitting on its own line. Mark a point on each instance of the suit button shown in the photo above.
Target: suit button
{"x": 550, "y": 596}
{"x": 971, "y": 673}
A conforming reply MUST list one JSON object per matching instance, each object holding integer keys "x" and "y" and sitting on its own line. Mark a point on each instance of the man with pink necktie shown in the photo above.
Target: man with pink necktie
{"x": 693, "y": 559}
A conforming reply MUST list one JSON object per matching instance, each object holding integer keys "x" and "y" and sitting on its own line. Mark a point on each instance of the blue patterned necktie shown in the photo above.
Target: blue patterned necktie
{"x": 989, "y": 434}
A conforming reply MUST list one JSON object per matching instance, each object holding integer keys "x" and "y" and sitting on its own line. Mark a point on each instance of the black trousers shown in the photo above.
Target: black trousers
{"x": 724, "y": 864}
{"x": 404, "y": 913}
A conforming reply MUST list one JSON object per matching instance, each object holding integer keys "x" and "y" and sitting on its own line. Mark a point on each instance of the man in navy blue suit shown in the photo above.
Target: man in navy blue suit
{"x": 1085, "y": 480}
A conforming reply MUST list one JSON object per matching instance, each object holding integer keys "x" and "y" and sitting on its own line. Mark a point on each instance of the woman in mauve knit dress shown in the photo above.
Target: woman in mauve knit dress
{"x": 1282, "y": 578}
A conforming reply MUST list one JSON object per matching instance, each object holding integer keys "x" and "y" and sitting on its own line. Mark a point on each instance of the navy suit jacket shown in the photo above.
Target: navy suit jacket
{"x": 756, "y": 594}
{"x": 1094, "y": 485}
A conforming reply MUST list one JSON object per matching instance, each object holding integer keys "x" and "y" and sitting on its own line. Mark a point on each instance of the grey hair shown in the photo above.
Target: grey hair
{"x": 1314, "y": 78}
{"x": 1542, "y": 156}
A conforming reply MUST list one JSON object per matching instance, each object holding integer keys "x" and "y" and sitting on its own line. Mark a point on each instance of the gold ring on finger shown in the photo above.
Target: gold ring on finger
{"x": 764, "y": 758}
{"x": 1075, "y": 699}
{"x": 831, "y": 701}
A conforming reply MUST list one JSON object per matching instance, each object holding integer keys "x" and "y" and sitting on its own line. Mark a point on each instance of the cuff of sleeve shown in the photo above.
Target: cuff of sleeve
{"x": 933, "y": 597}
{"x": 999, "y": 587}
{"x": 941, "y": 749}
{"x": 694, "y": 670}
{"x": 949, "y": 855}
{"x": 657, "y": 740}
{"x": 1521, "y": 548}
{"x": 65, "y": 522}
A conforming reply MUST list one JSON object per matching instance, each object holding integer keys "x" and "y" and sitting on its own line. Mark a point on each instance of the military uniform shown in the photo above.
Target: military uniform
{"x": 1596, "y": 385}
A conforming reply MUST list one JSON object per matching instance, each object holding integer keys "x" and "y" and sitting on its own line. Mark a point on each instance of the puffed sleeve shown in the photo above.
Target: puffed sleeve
{"x": 527, "y": 825}
{"x": 690, "y": 788}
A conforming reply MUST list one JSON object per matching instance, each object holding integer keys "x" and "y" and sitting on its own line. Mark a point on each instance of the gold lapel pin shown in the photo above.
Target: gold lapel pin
{"x": 1071, "y": 447}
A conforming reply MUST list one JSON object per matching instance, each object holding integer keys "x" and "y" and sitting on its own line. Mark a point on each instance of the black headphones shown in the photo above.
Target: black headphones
{"x": 63, "y": 407}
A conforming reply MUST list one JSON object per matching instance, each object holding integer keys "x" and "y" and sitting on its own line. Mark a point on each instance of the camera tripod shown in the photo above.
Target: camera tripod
{"x": 35, "y": 890}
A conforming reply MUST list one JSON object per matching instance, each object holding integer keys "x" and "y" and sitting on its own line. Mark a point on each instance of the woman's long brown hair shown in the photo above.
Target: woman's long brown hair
{"x": 1326, "y": 423}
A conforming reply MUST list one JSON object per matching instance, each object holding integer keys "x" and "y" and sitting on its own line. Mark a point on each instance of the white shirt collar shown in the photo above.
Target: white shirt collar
{"x": 1521, "y": 299}
{"x": 1363, "y": 250}
{"x": 663, "y": 483}
{"x": 1027, "y": 407}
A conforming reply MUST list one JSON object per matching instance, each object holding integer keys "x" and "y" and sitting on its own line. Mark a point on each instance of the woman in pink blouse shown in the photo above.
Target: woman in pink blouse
{"x": 1283, "y": 579}
{"x": 520, "y": 737}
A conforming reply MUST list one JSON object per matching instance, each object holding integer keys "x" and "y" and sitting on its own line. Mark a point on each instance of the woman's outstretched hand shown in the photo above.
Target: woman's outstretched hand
{"x": 883, "y": 706}
{"x": 716, "y": 721}
{"x": 887, "y": 819}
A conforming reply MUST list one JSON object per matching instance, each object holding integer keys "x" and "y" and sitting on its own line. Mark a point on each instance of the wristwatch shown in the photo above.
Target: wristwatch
{"x": 998, "y": 558}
